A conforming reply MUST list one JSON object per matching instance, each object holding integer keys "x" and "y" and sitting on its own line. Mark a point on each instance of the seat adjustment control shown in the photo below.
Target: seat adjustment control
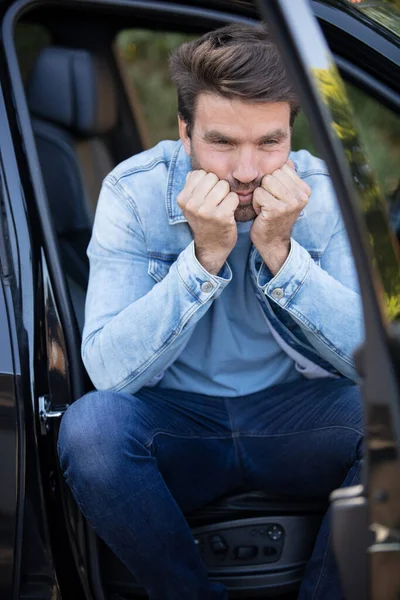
{"x": 218, "y": 544}
{"x": 245, "y": 552}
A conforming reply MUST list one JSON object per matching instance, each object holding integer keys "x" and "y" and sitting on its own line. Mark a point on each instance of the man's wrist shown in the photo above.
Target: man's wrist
{"x": 212, "y": 262}
{"x": 274, "y": 255}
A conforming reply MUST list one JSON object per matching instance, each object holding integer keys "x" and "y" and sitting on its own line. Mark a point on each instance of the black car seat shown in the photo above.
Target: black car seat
{"x": 72, "y": 102}
{"x": 257, "y": 544}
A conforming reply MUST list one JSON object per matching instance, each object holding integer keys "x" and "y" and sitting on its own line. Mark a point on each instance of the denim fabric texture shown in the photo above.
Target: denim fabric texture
{"x": 135, "y": 463}
{"x": 146, "y": 289}
{"x": 138, "y": 456}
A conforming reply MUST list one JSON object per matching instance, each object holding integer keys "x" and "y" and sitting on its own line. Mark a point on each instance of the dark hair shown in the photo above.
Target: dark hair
{"x": 236, "y": 61}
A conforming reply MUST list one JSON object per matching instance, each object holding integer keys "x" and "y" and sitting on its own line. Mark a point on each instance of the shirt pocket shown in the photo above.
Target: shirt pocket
{"x": 160, "y": 264}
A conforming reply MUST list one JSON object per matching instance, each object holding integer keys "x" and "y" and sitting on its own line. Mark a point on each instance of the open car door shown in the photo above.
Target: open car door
{"x": 365, "y": 519}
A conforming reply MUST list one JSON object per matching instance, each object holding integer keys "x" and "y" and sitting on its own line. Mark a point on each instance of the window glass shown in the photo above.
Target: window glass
{"x": 380, "y": 130}
{"x": 380, "y": 133}
{"x": 30, "y": 38}
{"x": 143, "y": 55}
{"x": 381, "y": 13}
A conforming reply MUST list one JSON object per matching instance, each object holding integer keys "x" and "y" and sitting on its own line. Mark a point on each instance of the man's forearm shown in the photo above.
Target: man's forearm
{"x": 329, "y": 311}
{"x": 141, "y": 341}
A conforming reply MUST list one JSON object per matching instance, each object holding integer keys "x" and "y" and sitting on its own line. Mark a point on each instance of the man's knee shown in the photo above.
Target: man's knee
{"x": 345, "y": 405}
{"x": 93, "y": 434}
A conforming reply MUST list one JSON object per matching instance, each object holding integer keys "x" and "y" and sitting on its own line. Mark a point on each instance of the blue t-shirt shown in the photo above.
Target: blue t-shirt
{"x": 231, "y": 351}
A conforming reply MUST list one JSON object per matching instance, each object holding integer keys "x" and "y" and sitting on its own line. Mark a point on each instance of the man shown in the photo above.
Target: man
{"x": 221, "y": 316}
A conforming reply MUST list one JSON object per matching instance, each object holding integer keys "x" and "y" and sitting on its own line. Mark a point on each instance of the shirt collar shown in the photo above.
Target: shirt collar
{"x": 178, "y": 169}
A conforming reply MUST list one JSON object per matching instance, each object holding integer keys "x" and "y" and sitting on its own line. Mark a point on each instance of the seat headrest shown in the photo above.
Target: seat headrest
{"x": 72, "y": 88}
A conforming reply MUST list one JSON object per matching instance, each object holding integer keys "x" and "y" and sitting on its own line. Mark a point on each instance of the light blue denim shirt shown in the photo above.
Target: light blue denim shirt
{"x": 147, "y": 290}
{"x": 231, "y": 351}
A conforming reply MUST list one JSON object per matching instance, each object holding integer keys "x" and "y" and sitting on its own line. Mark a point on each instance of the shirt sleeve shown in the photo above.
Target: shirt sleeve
{"x": 136, "y": 327}
{"x": 322, "y": 297}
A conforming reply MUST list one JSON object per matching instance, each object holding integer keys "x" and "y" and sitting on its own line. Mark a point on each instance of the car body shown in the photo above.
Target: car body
{"x": 47, "y": 548}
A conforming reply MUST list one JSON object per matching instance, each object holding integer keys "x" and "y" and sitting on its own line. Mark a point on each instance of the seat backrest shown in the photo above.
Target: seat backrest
{"x": 72, "y": 102}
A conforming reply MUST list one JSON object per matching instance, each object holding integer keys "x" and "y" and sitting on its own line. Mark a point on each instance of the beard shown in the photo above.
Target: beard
{"x": 245, "y": 211}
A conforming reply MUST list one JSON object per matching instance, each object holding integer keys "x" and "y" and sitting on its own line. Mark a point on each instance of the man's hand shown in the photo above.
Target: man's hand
{"x": 277, "y": 202}
{"x": 209, "y": 206}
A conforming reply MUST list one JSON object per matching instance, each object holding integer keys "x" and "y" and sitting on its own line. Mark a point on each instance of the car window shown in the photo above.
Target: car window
{"x": 383, "y": 15}
{"x": 143, "y": 59}
{"x": 30, "y": 39}
{"x": 380, "y": 132}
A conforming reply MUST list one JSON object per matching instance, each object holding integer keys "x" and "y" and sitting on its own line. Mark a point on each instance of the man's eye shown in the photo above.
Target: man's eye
{"x": 269, "y": 142}
{"x": 222, "y": 142}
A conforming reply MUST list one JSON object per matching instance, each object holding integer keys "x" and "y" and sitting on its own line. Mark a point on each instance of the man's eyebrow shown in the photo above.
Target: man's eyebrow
{"x": 278, "y": 134}
{"x": 217, "y": 136}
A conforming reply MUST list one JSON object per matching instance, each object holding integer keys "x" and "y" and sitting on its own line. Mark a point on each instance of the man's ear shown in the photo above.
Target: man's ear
{"x": 183, "y": 134}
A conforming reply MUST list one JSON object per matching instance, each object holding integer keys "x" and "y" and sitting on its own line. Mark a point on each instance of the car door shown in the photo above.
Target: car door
{"x": 27, "y": 565}
{"x": 15, "y": 357}
{"x": 9, "y": 464}
{"x": 365, "y": 519}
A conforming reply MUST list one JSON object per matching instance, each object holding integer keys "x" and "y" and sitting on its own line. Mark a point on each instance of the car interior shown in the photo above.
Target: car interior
{"x": 85, "y": 120}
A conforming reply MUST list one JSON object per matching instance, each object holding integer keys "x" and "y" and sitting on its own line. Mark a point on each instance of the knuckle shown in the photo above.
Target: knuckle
{"x": 281, "y": 209}
{"x": 190, "y": 205}
{"x": 265, "y": 179}
{"x": 182, "y": 199}
{"x": 202, "y": 211}
{"x": 213, "y": 179}
{"x": 225, "y": 187}
{"x": 303, "y": 199}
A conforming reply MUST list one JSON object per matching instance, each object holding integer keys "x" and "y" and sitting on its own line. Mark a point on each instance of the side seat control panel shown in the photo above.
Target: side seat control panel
{"x": 257, "y": 541}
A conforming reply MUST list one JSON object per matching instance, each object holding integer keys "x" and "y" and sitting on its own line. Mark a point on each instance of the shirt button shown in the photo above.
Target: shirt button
{"x": 207, "y": 287}
{"x": 278, "y": 293}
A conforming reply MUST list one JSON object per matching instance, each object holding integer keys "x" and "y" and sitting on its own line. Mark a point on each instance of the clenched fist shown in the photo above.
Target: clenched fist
{"x": 277, "y": 203}
{"x": 209, "y": 206}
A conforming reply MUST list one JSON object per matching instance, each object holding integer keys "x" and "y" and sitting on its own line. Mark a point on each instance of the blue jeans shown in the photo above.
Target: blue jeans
{"x": 136, "y": 463}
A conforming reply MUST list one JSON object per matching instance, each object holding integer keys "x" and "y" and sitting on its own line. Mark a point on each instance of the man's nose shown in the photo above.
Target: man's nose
{"x": 245, "y": 169}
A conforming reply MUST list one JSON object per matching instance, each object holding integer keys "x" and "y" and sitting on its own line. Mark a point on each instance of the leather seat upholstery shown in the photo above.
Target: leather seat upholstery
{"x": 73, "y": 105}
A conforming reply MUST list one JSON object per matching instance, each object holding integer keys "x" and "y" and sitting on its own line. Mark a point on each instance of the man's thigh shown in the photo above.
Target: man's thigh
{"x": 188, "y": 437}
{"x": 300, "y": 438}
{"x": 193, "y": 445}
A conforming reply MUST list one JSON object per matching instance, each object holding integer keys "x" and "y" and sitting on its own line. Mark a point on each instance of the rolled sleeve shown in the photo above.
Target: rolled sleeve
{"x": 287, "y": 282}
{"x": 203, "y": 285}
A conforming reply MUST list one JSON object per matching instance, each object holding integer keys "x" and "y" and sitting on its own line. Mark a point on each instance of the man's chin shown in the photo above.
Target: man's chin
{"x": 245, "y": 212}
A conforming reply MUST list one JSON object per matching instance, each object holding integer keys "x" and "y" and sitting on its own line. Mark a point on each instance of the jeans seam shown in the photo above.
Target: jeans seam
{"x": 235, "y": 435}
{"x": 352, "y": 429}
{"x": 185, "y": 437}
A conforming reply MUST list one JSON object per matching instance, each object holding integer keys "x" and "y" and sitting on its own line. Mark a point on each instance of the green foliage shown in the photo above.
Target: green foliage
{"x": 146, "y": 60}
{"x": 380, "y": 132}
{"x": 30, "y": 38}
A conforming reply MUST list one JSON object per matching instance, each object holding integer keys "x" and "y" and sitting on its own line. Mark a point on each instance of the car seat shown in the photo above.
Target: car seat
{"x": 73, "y": 105}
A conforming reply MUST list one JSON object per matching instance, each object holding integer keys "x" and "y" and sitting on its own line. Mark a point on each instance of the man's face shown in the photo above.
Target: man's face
{"x": 239, "y": 142}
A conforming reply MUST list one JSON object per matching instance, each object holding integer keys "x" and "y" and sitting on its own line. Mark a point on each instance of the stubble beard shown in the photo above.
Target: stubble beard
{"x": 245, "y": 211}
